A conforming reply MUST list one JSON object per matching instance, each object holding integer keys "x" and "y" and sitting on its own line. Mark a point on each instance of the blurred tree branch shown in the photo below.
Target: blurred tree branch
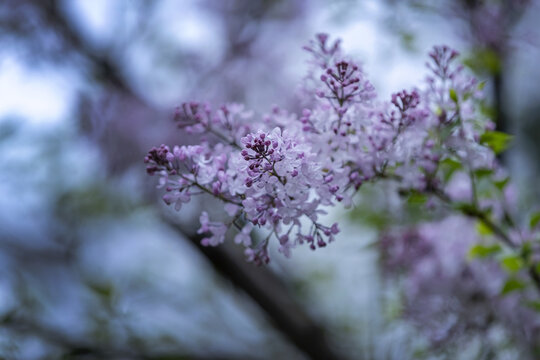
{"x": 269, "y": 293}
{"x": 104, "y": 68}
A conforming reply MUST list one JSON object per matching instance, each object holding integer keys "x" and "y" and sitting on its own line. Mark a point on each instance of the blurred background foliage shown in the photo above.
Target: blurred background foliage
{"x": 94, "y": 266}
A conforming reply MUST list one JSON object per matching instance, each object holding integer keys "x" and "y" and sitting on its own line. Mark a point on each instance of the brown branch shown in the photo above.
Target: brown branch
{"x": 269, "y": 293}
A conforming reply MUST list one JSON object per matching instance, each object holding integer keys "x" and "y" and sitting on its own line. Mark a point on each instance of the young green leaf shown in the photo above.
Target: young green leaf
{"x": 448, "y": 167}
{"x": 483, "y": 229}
{"x": 501, "y": 184}
{"x": 512, "y": 263}
{"x": 480, "y": 251}
{"x": 526, "y": 251}
{"x": 535, "y": 305}
{"x": 453, "y": 95}
{"x": 483, "y": 172}
{"x": 496, "y": 140}
{"x": 417, "y": 198}
{"x": 511, "y": 285}
{"x": 535, "y": 218}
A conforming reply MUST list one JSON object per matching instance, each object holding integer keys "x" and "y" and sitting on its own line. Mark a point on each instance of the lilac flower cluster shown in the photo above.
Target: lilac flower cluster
{"x": 343, "y": 83}
{"x": 280, "y": 172}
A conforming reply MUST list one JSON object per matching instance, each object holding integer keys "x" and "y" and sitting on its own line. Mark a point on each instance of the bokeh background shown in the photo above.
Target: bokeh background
{"x": 94, "y": 266}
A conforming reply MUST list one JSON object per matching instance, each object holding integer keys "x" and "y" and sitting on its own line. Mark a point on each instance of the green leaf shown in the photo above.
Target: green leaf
{"x": 480, "y": 251}
{"x": 449, "y": 167}
{"x": 453, "y": 95}
{"x": 487, "y": 110}
{"x": 492, "y": 62}
{"x": 535, "y": 305}
{"x": 416, "y": 198}
{"x": 512, "y": 263}
{"x": 526, "y": 251}
{"x": 105, "y": 291}
{"x": 483, "y": 229}
{"x": 481, "y": 85}
{"x": 484, "y": 60}
{"x": 512, "y": 285}
{"x": 483, "y": 172}
{"x": 496, "y": 140}
{"x": 501, "y": 184}
{"x": 534, "y": 220}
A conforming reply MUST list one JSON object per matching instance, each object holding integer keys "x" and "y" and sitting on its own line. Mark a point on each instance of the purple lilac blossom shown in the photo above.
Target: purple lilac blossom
{"x": 280, "y": 172}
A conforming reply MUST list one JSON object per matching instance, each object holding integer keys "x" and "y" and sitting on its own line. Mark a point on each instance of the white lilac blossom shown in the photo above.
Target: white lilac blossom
{"x": 278, "y": 173}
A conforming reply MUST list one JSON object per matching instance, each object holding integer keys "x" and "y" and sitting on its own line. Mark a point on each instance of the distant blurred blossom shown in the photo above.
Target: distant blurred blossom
{"x": 447, "y": 295}
{"x": 486, "y": 24}
{"x": 491, "y": 22}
